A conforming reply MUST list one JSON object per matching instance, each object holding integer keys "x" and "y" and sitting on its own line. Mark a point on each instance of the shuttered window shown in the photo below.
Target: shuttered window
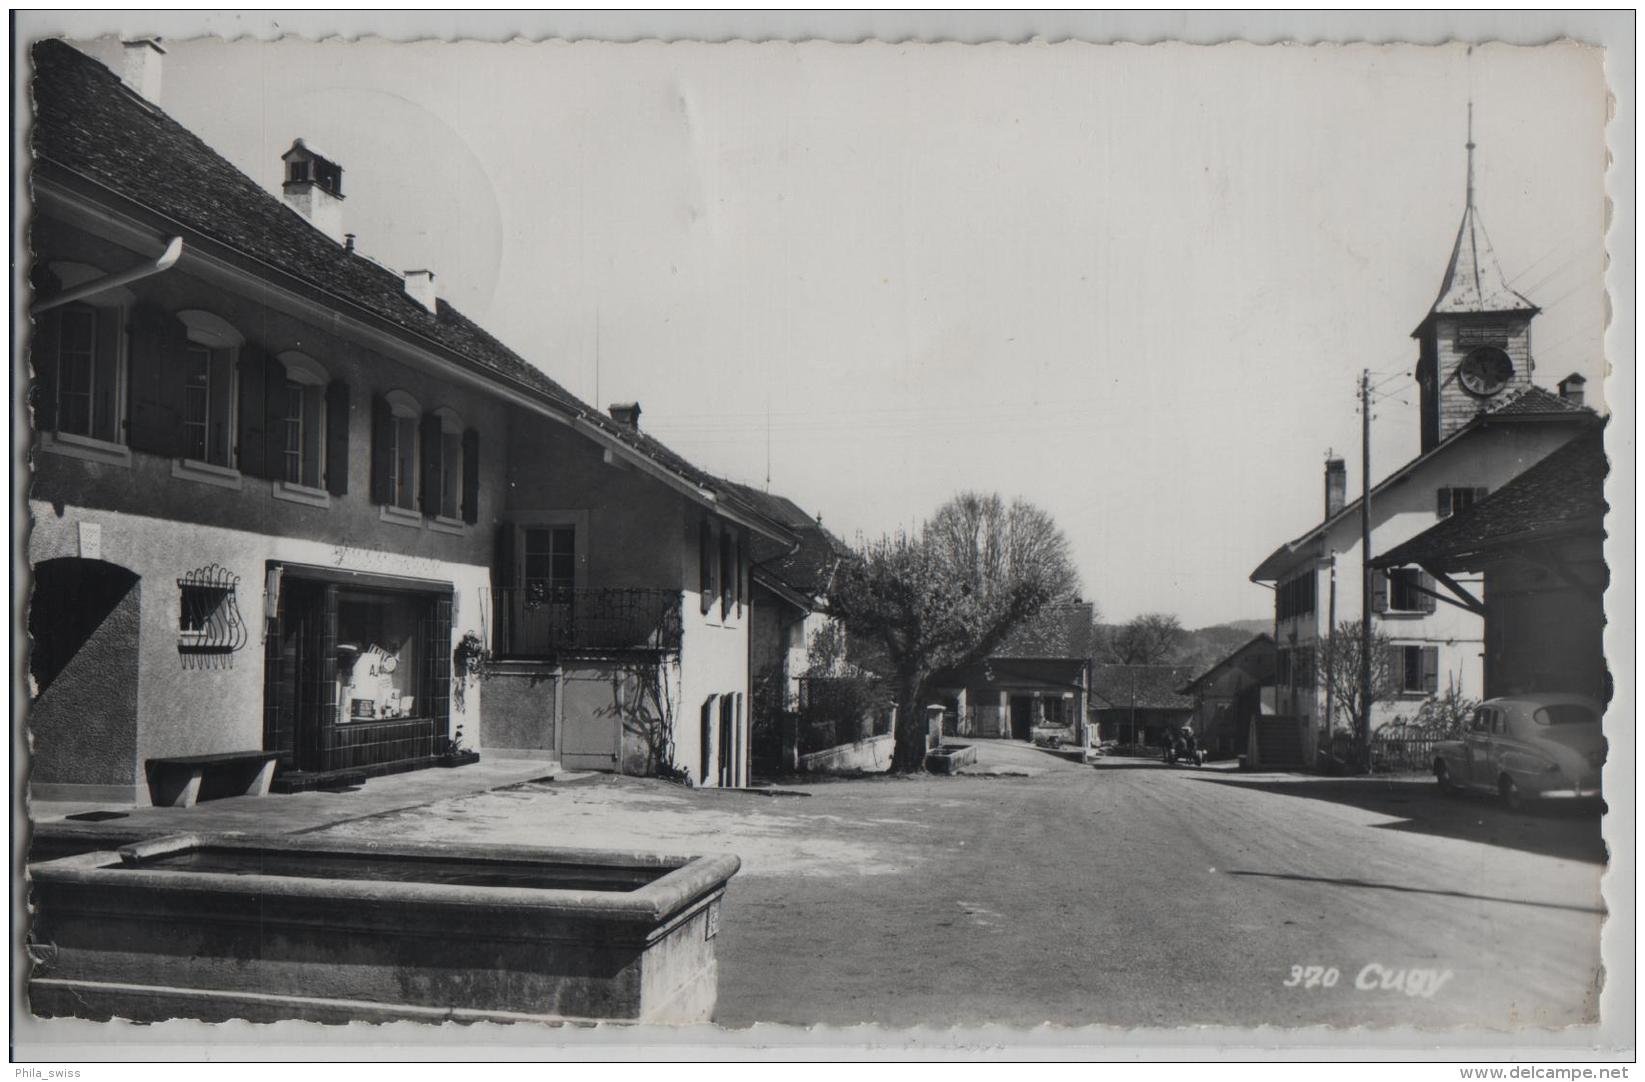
{"x": 1414, "y": 669}
{"x": 1455, "y": 498}
{"x": 1409, "y": 589}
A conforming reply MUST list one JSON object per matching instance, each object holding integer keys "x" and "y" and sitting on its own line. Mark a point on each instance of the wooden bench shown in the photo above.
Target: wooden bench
{"x": 181, "y": 781}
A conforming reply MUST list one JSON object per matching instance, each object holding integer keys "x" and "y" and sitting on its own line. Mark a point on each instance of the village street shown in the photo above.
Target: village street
{"x": 1128, "y": 893}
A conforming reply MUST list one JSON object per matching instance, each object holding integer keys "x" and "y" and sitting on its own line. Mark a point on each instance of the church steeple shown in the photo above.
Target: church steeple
{"x": 1476, "y": 338}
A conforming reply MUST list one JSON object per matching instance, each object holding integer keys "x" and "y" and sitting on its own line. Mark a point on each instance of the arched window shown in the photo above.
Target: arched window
{"x": 80, "y": 359}
{"x": 401, "y": 449}
{"x": 208, "y": 377}
{"x": 450, "y": 480}
{"x": 301, "y": 414}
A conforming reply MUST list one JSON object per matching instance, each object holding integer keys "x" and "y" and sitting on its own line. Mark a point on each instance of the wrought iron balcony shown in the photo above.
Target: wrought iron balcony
{"x": 538, "y": 622}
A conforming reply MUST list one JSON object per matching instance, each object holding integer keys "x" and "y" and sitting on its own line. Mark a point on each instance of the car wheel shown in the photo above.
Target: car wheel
{"x": 1511, "y": 798}
{"x": 1442, "y": 774}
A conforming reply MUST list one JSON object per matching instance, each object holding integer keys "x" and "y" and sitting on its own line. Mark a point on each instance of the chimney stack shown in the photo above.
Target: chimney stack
{"x": 314, "y": 188}
{"x": 420, "y": 288}
{"x": 625, "y": 413}
{"x": 1571, "y": 388}
{"x": 1336, "y": 486}
{"x": 142, "y": 67}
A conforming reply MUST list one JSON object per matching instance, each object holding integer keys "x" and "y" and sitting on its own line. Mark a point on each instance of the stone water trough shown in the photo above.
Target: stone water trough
{"x": 231, "y": 926}
{"x": 949, "y": 758}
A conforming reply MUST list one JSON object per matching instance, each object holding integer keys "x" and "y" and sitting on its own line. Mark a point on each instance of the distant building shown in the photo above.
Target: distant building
{"x": 1038, "y": 681}
{"x": 1483, "y": 422}
{"x": 1538, "y": 544}
{"x": 1231, "y": 694}
{"x": 1136, "y": 704}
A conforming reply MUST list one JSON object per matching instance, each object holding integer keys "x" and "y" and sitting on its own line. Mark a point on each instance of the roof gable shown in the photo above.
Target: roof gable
{"x": 1561, "y": 495}
{"x": 1530, "y": 405}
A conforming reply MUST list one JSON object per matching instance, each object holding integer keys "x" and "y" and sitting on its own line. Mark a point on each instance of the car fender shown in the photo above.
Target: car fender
{"x": 1456, "y": 760}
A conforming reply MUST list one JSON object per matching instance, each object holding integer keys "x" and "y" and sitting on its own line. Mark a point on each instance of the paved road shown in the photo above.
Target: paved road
{"x": 1126, "y": 894}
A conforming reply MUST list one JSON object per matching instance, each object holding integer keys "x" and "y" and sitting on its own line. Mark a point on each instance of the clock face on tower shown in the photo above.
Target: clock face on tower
{"x": 1485, "y": 371}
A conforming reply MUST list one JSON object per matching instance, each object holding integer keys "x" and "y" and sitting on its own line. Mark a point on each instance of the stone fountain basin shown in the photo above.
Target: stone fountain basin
{"x": 266, "y": 928}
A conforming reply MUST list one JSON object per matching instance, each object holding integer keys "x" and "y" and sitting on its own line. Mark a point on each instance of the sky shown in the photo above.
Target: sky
{"x": 1135, "y": 285}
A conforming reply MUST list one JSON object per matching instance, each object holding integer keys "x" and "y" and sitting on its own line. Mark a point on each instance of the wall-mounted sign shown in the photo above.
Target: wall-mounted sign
{"x": 91, "y": 541}
{"x": 1482, "y": 334}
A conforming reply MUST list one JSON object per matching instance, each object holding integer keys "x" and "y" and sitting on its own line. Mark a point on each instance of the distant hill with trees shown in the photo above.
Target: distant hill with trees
{"x": 1159, "y": 639}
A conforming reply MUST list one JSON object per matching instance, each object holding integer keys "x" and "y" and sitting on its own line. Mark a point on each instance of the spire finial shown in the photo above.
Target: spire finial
{"x": 1470, "y": 153}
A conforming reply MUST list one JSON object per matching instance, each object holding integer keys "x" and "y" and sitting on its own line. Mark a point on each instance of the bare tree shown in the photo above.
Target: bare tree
{"x": 1339, "y": 673}
{"x": 1150, "y": 639}
{"x": 948, "y": 596}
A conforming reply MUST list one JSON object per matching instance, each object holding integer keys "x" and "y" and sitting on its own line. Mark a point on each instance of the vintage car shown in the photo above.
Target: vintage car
{"x": 1528, "y": 747}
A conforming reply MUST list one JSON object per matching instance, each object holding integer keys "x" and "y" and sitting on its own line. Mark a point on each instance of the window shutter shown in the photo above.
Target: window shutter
{"x": 1430, "y": 669}
{"x": 1396, "y": 667}
{"x": 43, "y": 355}
{"x": 253, "y": 410}
{"x": 502, "y": 593}
{"x": 428, "y": 437}
{"x": 471, "y": 476}
{"x": 156, "y": 382}
{"x": 1379, "y": 591}
{"x": 1444, "y": 502}
{"x": 382, "y": 449}
{"x": 337, "y": 419}
{"x": 1427, "y": 602}
{"x": 274, "y": 400}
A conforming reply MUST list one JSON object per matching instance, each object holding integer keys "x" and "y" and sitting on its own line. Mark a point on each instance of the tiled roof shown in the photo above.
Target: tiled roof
{"x": 1148, "y": 687}
{"x": 809, "y": 568}
{"x": 1474, "y": 281}
{"x": 1257, "y": 656}
{"x": 1561, "y": 495}
{"x": 1057, "y": 631}
{"x": 88, "y": 123}
{"x": 1534, "y": 400}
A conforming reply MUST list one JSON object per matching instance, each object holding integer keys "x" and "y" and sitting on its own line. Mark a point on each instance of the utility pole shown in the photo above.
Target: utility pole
{"x": 1365, "y": 569}
{"x": 1323, "y": 662}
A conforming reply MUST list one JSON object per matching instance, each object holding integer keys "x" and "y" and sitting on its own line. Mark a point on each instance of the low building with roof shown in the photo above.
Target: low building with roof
{"x": 1230, "y": 695}
{"x": 1536, "y": 546}
{"x": 1138, "y": 704}
{"x": 285, "y": 500}
{"x": 1038, "y": 682}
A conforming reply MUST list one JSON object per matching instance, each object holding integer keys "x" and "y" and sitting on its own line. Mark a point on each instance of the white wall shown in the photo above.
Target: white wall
{"x": 200, "y": 711}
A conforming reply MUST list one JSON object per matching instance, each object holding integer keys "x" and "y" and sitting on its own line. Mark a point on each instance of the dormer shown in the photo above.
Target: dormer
{"x": 314, "y": 188}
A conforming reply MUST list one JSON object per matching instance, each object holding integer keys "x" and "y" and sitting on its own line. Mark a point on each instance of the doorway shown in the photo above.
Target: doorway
{"x": 357, "y": 674}
{"x": 1022, "y": 717}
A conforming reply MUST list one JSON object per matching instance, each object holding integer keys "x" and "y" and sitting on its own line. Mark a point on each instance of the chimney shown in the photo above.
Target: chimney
{"x": 625, "y": 413}
{"x": 1336, "y": 486}
{"x": 142, "y": 68}
{"x": 420, "y": 288}
{"x": 1570, "y": 388}
{"x": 313, "y": 187}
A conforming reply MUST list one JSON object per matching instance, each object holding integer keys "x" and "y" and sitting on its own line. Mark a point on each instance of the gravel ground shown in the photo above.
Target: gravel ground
{"x": 1127, "y": 894}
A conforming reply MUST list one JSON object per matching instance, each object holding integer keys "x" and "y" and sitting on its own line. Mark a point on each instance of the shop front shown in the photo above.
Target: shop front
{"x": 357, "y": 678}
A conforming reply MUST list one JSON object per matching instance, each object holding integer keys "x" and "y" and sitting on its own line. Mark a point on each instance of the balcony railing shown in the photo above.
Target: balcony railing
{"x": 537, "y": 622}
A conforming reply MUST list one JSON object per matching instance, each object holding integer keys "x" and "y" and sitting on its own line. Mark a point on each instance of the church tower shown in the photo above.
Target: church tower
{"x": 1475, "y": 343}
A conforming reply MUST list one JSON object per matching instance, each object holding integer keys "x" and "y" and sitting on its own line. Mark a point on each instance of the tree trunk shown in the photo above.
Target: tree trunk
{"x": 909, "y": 756}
